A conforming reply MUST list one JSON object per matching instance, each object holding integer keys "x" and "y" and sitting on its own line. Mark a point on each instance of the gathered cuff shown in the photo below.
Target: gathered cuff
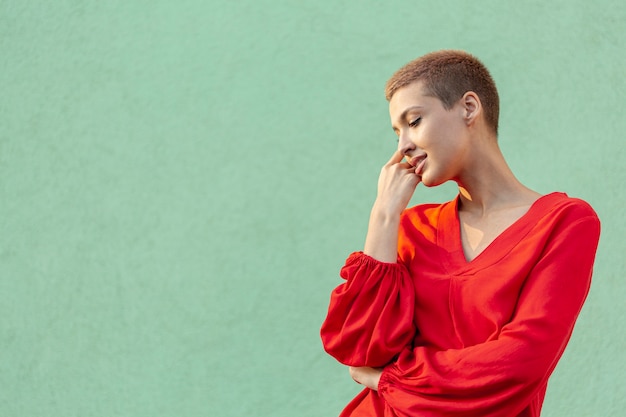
{"x": 384, "y": 381}
{"x": 358, "y": 260}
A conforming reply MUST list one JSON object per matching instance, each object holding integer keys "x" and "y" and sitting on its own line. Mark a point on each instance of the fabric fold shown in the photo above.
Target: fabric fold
{"x": 370, "y": 316}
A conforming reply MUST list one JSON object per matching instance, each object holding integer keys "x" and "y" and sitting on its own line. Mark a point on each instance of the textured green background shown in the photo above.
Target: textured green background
{"x": 181, "y": 181}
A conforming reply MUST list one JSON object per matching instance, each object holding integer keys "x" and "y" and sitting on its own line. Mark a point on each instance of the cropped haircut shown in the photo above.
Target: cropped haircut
{"x": 448, "y": 75}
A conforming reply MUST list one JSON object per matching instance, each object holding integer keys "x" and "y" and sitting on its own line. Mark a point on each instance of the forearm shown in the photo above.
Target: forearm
{"x": 381, "y": 242}
{"x": 368, "y": 377}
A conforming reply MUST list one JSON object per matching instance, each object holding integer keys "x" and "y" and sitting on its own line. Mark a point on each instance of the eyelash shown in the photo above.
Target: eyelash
{"x": 415, "y": 122}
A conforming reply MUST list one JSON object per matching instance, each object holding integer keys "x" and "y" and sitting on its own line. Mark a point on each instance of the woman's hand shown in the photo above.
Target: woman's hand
{"x": 396, "y": 185}
{"x": 368, "y": 377}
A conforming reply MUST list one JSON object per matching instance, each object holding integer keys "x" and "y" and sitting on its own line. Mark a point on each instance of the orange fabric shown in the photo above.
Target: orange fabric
{"x": 460, "y": 338}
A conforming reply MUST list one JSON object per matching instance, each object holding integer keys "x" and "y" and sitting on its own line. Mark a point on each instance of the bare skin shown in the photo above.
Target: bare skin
{"x": 436, "y": 145}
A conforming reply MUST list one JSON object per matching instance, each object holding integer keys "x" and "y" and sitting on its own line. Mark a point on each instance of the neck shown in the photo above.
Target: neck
{"x": 489, "y": 184}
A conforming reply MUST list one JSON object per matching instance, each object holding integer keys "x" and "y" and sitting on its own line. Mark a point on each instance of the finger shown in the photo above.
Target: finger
{"x": 396, "y": 157}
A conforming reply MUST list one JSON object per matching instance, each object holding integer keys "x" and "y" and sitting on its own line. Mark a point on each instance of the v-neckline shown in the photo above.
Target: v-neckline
{"x": 449, "y": 236}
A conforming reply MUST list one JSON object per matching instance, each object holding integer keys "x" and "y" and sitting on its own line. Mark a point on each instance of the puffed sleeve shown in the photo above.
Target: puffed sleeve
{"x": 370, "y": 317}
{"x": 502, "y": 376}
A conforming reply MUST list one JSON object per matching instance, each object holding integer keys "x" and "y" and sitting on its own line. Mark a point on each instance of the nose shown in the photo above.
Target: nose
{"x": 405, "y": 145}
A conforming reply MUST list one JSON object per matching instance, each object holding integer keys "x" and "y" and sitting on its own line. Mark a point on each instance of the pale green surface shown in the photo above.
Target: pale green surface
{"x": 181, "y": 181}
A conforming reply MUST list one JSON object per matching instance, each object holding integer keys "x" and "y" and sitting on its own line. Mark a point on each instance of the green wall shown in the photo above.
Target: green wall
{"x": 181, "y": 181}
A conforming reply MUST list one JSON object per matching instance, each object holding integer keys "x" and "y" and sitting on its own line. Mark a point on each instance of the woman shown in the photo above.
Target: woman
{"x": 461, "y": 308}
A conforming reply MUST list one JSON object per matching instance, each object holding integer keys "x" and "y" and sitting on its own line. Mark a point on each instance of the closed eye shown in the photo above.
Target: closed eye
{"x": 415, "y": 122}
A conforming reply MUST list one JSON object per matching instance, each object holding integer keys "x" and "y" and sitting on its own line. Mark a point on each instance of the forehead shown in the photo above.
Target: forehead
{"x": 409, "y": 96}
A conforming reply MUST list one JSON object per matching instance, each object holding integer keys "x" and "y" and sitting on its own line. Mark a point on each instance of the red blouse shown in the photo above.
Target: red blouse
{"x": 460, "y": 338}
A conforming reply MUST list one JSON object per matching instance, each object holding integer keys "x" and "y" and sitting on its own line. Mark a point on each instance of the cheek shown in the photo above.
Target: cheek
{"x": 451, "y": 140}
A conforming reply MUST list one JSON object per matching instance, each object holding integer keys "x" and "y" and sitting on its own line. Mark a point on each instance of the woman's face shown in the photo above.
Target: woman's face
{"x": 428, "y": 132}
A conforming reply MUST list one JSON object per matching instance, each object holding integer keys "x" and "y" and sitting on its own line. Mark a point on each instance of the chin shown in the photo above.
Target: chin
{"x": 426, "y": 181}
{"x": 429, "y": 182}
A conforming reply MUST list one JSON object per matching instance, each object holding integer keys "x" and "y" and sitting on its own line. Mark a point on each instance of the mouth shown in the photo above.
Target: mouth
{"x": 418, "y": 163}
{"x": 416, "y": 160}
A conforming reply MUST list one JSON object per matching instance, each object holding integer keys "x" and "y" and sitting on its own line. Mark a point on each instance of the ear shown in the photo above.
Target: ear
{"x": 472, "y": 107}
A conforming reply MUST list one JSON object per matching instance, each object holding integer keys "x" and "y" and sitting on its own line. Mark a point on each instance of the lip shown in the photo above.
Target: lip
{"x": 417, "y": 159}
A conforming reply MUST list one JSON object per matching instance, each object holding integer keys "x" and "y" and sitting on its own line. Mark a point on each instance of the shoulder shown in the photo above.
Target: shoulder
{"x": 424, "y": 221}
{"x": 559, "y": 205}
{"x": 426, "y": 213}
{"x": 570, "y": 220}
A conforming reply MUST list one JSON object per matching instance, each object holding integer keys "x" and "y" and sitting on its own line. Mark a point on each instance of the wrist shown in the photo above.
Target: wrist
{"x": 382, "y": 213}
{"x": 381, "y": 242}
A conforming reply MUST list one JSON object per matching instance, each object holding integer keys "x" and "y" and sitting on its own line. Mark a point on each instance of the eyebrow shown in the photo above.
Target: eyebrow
{"x": 404, "y": 113}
